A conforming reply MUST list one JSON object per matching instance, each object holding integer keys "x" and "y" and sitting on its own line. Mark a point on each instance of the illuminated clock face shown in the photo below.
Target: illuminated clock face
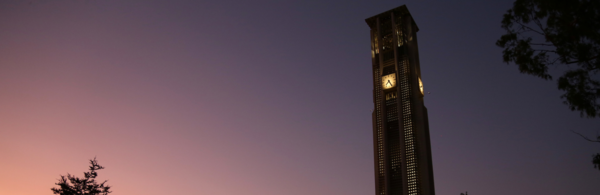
{"x": 421, "y": 86}
{"x": 388, "y": 81}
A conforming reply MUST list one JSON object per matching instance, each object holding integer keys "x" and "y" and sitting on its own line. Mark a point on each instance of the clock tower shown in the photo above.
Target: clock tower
{"x": 400, "y": 126}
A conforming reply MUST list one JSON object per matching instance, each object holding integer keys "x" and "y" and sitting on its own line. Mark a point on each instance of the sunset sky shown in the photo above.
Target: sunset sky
{"x": 267, "y": 97}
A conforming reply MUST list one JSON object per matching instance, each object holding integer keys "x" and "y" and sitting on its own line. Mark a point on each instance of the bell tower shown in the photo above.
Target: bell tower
{"x": 402, "y": 149}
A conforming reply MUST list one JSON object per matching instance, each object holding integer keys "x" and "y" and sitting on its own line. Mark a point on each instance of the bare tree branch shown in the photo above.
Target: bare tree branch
{"x": 540, "y": 50}
{"x": 586, "y": 138}
{"x": 544, "y": 44}
{"x": 531, "y": 29}
{"x": 578, "y": 61}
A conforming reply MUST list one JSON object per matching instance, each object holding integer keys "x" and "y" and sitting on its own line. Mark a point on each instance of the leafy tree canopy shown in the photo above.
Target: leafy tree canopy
{"x": 71, "y": 185}
{"x": 548, "y": 33}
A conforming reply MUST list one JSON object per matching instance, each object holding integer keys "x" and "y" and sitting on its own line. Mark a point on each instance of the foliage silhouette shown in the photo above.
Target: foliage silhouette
{"x": 557, "y": 33}
{"x": 595, "y": 157}
{"x": 596, "y": 160}
{"x": 71, "y": 185}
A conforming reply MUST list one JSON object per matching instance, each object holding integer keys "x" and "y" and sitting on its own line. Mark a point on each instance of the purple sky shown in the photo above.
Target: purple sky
{"x": 267, "y": 98}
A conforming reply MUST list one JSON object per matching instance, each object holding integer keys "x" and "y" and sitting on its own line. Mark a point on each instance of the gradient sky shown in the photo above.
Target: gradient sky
{"x": 267, "y": 98}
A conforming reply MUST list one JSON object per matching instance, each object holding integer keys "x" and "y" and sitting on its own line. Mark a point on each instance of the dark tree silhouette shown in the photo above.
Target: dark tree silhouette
{"x": 595, "y": 157}
{"x": 71, "y": 185}
{"x": 557, "y": 33}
